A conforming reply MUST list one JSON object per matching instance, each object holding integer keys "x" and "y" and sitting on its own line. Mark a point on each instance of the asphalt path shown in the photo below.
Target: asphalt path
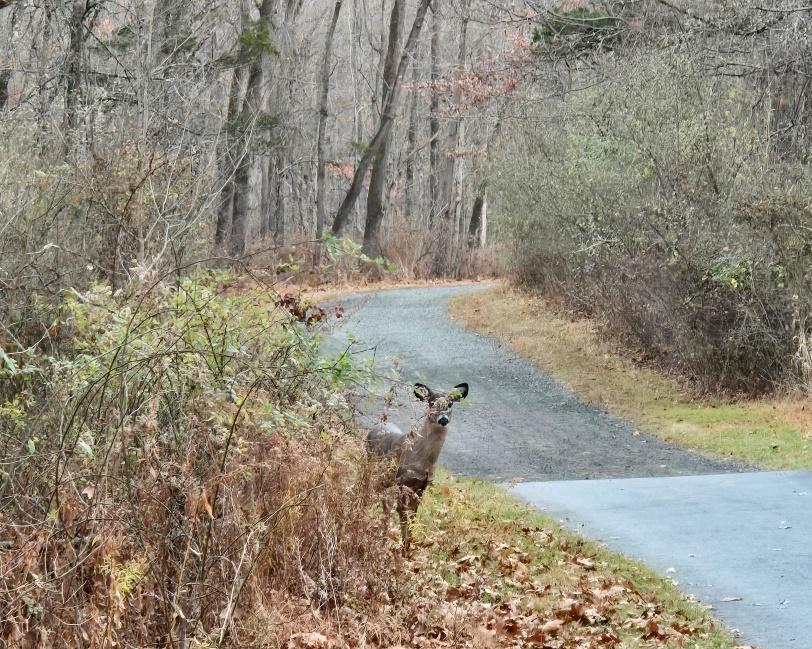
{"x": 738, "y": 542}
{"x": 736, "y": 538}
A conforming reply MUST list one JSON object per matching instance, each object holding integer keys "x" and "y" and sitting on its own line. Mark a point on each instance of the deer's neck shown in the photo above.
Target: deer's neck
{"x": 425, "y": 448}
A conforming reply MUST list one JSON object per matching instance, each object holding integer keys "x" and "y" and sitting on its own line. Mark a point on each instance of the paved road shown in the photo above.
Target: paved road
{"x": 741, "y": 537}
{"x": 721, "y": 530}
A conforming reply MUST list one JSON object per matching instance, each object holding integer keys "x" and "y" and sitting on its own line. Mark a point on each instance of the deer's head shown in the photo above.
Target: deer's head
{"x": 440, "y": 402}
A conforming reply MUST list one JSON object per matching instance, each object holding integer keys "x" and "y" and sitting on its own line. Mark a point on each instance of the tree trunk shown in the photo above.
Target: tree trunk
{"x": 241, "y": 203}
{"x": 411, "y": 145}
{"x": 445, "y": 208}
{"x": 73, "y": 72}
{"x": 320, "y": 164}
{"x": 475, "y": 227}
{"x": 247, "y": 120}
{"x": 377, "y": 180}
{"x": 434, "y": 121}
{"x": 228, "y": 159}
{"x": 5, "y": 78}
{"x": 385, "y": 124}
{"x": 265, "y": 194}
{"x": 41, "y": 45}
{"x": 242, "y": 172}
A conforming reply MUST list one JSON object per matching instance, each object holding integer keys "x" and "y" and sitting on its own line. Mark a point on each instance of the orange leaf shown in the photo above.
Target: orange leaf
{"x": 204, "y": 500}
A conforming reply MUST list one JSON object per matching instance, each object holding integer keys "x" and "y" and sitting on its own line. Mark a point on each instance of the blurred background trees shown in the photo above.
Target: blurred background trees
{"x": 140, "y": 137}
{"x": 645, "y": 162}
{"x": 655, "y": 175}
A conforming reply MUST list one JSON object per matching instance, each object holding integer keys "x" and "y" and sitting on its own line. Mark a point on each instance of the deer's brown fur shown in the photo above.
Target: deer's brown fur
{"x": 415, "y": 453}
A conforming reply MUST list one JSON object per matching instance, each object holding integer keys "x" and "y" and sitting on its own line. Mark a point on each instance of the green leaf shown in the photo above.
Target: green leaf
{"x": 8, "y": 363}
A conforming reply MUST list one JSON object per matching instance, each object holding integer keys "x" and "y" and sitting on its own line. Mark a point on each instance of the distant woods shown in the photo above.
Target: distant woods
{"x": 647, "y": 162}
{"x": 140, "y": 136}
{"x": 657, "y": 178}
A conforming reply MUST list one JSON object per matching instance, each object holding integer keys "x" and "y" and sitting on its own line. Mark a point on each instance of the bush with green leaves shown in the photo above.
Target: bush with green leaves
{"x": 185, "y": 458}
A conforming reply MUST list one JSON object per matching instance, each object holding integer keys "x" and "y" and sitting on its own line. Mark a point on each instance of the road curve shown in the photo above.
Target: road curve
{"x": 736, "y": 538}
{"x": 518, "y": 423}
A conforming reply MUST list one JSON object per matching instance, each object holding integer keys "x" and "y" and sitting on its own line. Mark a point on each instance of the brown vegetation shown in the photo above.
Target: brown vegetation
{"x": 667, "y": 197}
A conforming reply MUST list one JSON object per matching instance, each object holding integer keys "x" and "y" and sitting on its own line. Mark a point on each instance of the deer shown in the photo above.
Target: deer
{"x": 415, "y": 453}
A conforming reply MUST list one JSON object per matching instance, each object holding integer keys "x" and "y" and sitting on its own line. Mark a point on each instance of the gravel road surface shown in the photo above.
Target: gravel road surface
{"x": 518, "y": 423}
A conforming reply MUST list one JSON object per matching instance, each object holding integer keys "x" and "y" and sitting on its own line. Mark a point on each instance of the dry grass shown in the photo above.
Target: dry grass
{"x": 774, "y": 434}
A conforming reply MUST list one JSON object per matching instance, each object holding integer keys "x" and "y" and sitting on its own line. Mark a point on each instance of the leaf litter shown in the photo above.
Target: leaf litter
{"x": 490, "y": 578}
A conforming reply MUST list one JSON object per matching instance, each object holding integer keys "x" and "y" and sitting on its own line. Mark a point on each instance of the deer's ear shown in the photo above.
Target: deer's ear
{"x": 460, "y": 391}
{"x": 421, "y": 391}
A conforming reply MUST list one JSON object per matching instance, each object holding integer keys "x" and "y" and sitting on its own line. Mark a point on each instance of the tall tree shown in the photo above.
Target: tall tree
{"x": 477, "y": 224}
{"x": 385, "y": 123}
{"x": 377, "y": 178}
{"x": 434, "y": 118}
{"x": 411, "y": 146}
{"x": 73, "y": 71}
{"x": 320, "y": 137}
{"x": 448, "y": 185}
{"x": 5, "y": 78}
{"x": 257, "y": 41}
{"x": 228, "y": 157}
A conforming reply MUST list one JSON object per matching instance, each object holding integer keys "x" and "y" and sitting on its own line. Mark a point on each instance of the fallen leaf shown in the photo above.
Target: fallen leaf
{"x": 654, "y": 631}
{"x": 310, "y": 640}
{"x": 608, "y": 638}
{"x": 483, "y": 638}
{"x": 204, "y": 500}
{"x": 552, "y": 627}
{"x": 452, "y": 593}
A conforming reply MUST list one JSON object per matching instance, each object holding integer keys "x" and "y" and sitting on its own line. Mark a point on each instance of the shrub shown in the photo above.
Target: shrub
{"x": 651, "y": 202}
{"x": 183, "y": 462}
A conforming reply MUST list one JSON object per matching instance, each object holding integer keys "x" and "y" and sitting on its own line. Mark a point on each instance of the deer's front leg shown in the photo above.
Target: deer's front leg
{"x": 408, "y": 502}
{"x": 389, "y": 497}
{"x": 410, "y": 489}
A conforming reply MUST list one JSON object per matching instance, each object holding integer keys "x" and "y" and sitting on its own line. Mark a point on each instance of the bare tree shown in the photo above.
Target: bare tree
{"x": 385, "y": 123}
{"x": 445, "y": 185}
{"x": 411, "y": 148}
{"x": 377, "y": 179}
{"x": 434, "y": 119}
{"x": 73, "y": 70}
{"x": 247, "y": 118}
{"x": 322, "y": 111}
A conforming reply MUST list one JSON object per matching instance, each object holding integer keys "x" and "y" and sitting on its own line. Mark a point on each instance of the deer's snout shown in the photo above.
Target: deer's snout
{"x": 442, "y": 420}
